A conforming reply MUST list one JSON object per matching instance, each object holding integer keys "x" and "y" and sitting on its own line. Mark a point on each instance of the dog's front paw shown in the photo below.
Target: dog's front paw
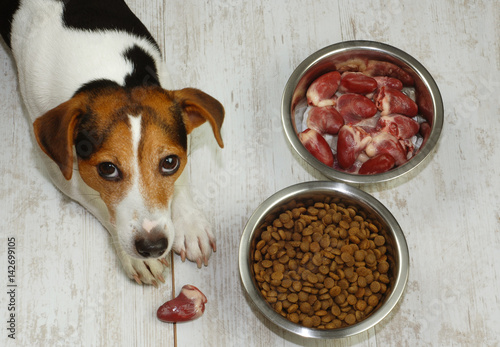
{"x": 194, "y": 239}
{"x": 148, "y": 271}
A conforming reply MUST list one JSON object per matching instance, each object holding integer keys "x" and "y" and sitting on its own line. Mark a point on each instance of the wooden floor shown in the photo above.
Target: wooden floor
{"x": 71, "y": 290}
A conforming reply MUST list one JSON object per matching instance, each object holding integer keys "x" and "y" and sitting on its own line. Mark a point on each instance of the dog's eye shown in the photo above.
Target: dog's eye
{"x": 169, "y": 165}
{"x": 109, "y": 171}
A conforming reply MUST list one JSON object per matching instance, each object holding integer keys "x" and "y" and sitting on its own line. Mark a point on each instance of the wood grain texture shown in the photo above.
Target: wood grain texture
{"x": 72, "y": 291}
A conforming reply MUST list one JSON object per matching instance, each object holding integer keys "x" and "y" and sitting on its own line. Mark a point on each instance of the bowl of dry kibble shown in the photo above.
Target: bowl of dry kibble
{"x": 323, "y": 260}
{"x": 362, "y": 112}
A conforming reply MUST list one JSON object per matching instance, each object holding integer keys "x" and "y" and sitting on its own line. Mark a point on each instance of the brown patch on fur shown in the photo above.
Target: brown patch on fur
{"x": 156, "y": 145}
{"x": 54, "y": 132}
{"x": 117, "y": 149}
{"x": 200, "y": 107}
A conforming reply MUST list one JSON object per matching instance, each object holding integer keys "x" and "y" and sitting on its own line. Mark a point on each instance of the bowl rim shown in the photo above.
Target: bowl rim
{"x": 346, "y": 46}
{"x": 294, "y": 191}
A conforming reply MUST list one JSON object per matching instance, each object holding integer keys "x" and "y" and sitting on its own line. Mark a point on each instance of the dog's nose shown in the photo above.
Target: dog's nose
{"x": 151, "y": 247}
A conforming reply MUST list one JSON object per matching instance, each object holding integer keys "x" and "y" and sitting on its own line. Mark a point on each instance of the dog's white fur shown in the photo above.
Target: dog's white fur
{"x": 45, "y": 53}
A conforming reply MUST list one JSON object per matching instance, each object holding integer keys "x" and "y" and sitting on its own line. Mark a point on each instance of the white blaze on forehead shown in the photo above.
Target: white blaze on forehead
{"x": 134, "y": 198}
{"x": 135, "y": 128}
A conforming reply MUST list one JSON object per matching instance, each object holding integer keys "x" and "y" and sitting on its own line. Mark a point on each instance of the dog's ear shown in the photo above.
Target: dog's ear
{"x": 199, "y": 108}
{"x": 54, "y": 132}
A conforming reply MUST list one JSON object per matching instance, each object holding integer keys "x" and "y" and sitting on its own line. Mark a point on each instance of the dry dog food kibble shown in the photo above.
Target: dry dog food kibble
{"x": 322, "y": 265}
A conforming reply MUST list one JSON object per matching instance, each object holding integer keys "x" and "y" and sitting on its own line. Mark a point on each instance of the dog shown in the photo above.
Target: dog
{"x": 111, "y": 137}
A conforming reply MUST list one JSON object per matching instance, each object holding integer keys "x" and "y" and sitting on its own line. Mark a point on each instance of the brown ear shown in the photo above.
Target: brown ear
{"x": 54, "y": 132}
{"x": 201, "y": 107}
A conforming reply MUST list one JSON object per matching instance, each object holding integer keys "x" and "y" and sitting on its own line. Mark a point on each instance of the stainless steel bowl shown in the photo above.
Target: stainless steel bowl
{"x": 429, "y": 101}
{"x": 349, "y": 195}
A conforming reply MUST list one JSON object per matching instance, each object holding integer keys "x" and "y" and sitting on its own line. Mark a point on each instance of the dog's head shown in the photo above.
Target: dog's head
{"x": 131, "y": 146}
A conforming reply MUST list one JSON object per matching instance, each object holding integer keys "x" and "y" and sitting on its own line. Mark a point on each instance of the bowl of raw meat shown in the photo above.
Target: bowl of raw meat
{"x": 362, "y": 112}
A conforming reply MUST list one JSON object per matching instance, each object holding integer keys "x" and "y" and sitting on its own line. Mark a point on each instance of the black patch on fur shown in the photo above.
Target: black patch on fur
{"x": 181, "y": 132}
{"x": 97, "y": 85}
{"x": 144, "y": 71}
{"x": 88, "y": 139}
{"x": 176, "y": 130}
{"x": 7, "y": 10}
{"x": 104, "y": 15}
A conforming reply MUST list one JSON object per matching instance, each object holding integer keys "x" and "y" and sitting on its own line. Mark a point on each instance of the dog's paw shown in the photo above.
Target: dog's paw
{"x": 194, "y": 239}
{"x": 148, "y": 271}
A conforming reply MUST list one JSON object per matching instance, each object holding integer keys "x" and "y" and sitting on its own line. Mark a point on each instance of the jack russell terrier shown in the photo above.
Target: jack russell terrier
{"x": 113, "y": 139}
